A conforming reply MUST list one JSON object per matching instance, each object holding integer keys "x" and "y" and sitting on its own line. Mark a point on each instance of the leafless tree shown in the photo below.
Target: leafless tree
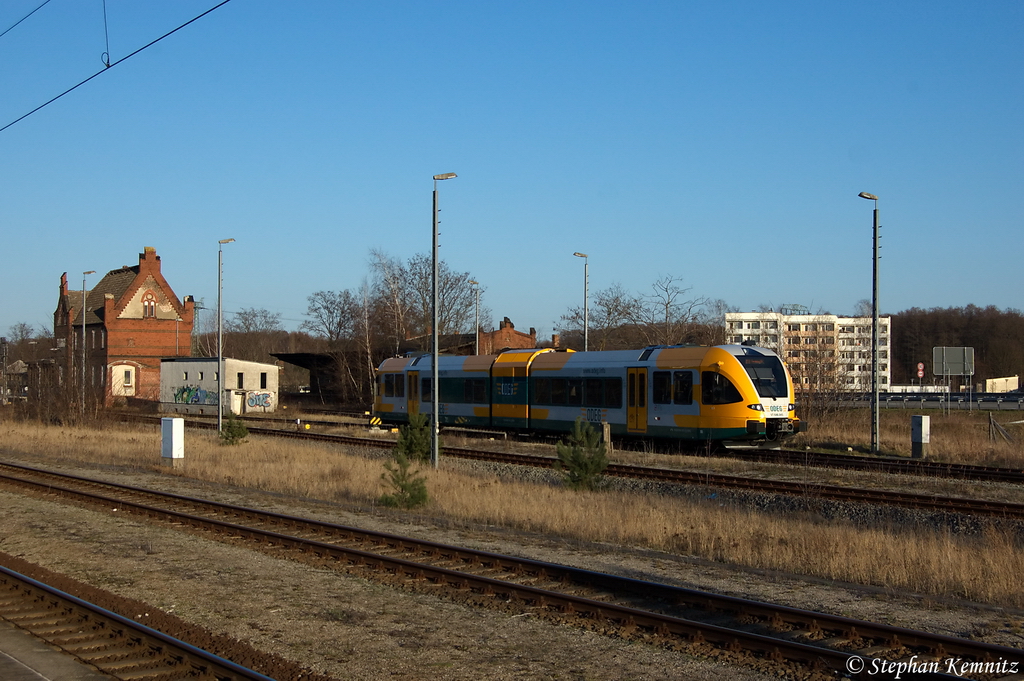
{"x": 331, "y": 315}
{"x": 667, "y": 316}
{"x": 391, "y": 284}
{"x": 253, "y": 333}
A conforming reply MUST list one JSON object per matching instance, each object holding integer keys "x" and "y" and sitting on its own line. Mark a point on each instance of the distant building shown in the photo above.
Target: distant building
{"x": 491, "y": 342}
{"x": 132, "y": 320}
{"x": 822, "y": 351}
{"x": 189, "y": 386}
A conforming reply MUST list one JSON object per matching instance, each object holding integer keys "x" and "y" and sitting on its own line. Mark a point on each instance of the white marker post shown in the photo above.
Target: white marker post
{"x": 172, "y": 445}
{"x": 920, "y": 434}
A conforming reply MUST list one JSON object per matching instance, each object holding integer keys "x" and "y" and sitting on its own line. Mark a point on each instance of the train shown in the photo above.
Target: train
{"x": 731, "y": 395}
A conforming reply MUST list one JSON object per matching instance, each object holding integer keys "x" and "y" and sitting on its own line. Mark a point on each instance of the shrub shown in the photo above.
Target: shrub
{"x": 410, "y": 490}
{"x": 583, "y": 458}
{"x": 414, "y": 438}
{"x": 233, "y": 431}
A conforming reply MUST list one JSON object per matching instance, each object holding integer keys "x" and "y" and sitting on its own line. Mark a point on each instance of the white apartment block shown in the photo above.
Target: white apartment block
{"x": 822, "y": 351}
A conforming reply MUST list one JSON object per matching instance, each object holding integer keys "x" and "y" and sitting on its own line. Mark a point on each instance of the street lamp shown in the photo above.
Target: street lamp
{"x": 874, "y": 326}
{"x": 83, "y": 337}
{"x": 220, "y": 334}
{"x": 476, "y": 285}
{"x": 586, "y": 299}
{"x": 435, "y": 427}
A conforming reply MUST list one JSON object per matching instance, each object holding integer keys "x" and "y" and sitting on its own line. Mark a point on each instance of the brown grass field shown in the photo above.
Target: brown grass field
{"x": 982, "y": 567}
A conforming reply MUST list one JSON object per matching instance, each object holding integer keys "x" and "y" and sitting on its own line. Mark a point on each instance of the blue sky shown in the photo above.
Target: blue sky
{"x": 720, "y": 143}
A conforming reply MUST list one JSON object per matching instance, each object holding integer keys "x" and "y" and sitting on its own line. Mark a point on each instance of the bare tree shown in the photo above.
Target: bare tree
{"x": 620, "y": 319}
{"x": 20, "y": 332}
{"x": 666, "y": 316}
{"x": 391, "y": 283}
{"x": 332, "y": 316}
{"x": 253, "y": 334}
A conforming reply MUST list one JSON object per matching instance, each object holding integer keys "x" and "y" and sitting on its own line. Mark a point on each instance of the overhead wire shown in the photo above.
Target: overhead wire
{"x": 109, "y": 66}
{"x": 24, "y": 17}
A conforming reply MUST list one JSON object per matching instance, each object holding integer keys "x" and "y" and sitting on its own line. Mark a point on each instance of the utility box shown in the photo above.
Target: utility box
{"x": 172, "y": 442}
{"x": 920, "y": 434}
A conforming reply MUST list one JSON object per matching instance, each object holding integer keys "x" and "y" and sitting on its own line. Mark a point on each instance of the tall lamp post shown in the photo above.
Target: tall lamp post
{"x": 586, "y": 299}
{"x": 220, "y": 334}
{"x": 476, "y": 285}
{"x": 874, "y": 325}
{"x": 435, "y": 422}
{"x": 84, "y": 274}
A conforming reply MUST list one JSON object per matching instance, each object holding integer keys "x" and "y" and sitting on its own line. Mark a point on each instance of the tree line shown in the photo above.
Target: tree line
{"x": 997, "y": 337}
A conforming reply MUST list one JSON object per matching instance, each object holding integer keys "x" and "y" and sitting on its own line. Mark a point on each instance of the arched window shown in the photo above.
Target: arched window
{"x": 149, "y": 305}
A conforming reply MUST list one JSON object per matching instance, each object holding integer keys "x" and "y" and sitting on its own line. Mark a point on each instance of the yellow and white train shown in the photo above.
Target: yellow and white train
{"x": 729, "y": 394}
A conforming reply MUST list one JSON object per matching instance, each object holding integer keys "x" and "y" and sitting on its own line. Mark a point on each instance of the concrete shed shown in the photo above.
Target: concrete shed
{"x": 188, "y": 385}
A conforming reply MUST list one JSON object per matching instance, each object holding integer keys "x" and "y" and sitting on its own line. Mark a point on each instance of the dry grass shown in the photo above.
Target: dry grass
{"x": 959, "y": 436}
{"x": 983, "y": 568}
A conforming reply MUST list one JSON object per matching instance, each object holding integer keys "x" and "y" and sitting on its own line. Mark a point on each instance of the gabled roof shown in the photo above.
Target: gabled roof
{"x": 114, "y": 282}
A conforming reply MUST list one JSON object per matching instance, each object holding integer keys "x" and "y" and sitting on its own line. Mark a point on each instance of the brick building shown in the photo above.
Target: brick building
{"x": 132, "y": 320}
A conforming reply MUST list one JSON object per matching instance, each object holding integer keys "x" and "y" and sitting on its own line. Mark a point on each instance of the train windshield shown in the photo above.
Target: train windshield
{"x": 767, "y": 373}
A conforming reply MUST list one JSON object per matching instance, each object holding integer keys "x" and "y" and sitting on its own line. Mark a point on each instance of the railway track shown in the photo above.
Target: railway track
{"x": 791, "y": 457}
{"x": 770, "y": 637}
{"x": 925, "y": 502}
{"x": 102, "y": 639}
{"x": 880, "y": 464}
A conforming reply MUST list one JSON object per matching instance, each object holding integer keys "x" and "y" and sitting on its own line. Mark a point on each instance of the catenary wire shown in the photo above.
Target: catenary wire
{"x": 106, "y": 67}
{"x": 25, "y": 17}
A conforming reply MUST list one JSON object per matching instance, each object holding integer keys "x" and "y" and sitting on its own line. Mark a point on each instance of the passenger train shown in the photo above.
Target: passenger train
{"x": 728, "y": 394}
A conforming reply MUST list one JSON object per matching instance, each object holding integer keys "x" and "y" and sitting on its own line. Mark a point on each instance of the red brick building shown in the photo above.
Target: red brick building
{"x": 132, "y": 320}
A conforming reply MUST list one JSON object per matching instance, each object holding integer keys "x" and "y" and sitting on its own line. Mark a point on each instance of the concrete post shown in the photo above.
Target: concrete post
{"x": 172, "y": 445}
{"x": 920, "y": 435}
{"x": 606, "y": 435}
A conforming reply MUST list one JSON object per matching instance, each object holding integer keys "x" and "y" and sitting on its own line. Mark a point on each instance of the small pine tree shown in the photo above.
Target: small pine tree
{"x": 414, "y": 438}
{"x": 583, "y": 458}
{"x": 410, "y": 490}
{"x": 233, "y": 431}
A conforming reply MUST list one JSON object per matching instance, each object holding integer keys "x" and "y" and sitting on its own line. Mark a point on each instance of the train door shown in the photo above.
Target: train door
{"x": 413, "y": 392}
{"x": 636, "y": 399}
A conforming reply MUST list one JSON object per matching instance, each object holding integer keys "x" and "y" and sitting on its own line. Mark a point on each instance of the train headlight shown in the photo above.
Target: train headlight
{"x": 792, "y": 407}
{"x": 755, "y": 407}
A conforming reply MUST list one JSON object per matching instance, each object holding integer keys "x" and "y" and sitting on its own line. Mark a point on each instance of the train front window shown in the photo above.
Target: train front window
{"x": 767, "y": 374}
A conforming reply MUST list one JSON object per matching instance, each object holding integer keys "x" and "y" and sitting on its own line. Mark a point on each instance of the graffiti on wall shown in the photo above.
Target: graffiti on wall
{"x": 260, "y": 400}
{"x": 193, "y": 394}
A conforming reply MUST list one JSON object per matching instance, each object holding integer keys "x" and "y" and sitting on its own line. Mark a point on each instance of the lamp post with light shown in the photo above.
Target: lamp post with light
{"x": 874, "y": 325}
{"x": 435, "y": 422}
{"x": 84, "y": 274}
{"x": 220, "y": 334}
{"x": 586, "y": 299}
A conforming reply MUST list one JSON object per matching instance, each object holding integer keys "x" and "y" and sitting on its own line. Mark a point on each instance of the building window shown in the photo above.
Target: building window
{"x": 263, "y": 380}
{"x": 200, "y": 375}
{"x": 127, "y": 376}
{"x": 149, "y": 305}
{"x": 754, "y": 325}
{"x": 184, "y": 376}
{"x": 241, "y": 380}
{"x": 793, "y": 327}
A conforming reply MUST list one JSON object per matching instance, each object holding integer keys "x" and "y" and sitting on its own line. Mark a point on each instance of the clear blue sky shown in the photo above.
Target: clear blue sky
{"x": 723, "y": 143}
